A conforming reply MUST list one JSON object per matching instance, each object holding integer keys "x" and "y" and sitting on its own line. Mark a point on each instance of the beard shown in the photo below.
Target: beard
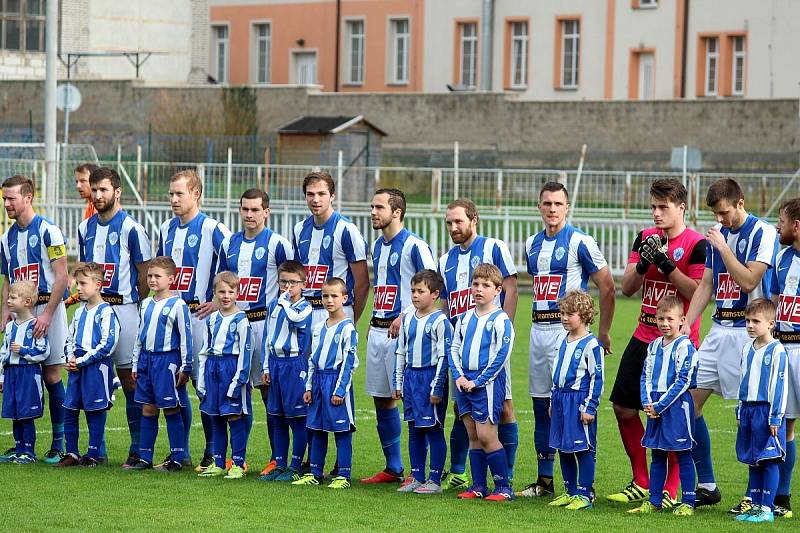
{"x": 106, "y": 207}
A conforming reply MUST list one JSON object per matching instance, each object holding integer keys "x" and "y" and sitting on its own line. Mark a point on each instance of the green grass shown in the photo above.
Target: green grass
{"x": 39, "y": 498}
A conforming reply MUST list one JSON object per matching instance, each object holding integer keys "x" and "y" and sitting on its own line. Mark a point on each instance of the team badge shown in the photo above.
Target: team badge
{"x": 427, "y": 328}
{"x": 475, "y": 261}
{"x": 489, "y": 325}
{"x": 560, "y": 253}
{"x": 337, "y": 338}
{"x": 677, "y": 254}
{"x": 326, "y": 242}
{"x": 767, "y": 357}
{"x": 506, "y": 339}
{"x": 303, "y": 374}
{"x": 259, "y": 253}
{"x": 741, "y": 246}
{"x": 29, "y": 333}
{"x": 393, "y": 258}
{"x": 577, "y": 355}
{"x": 232, "y": 328}
{"x": 165, "y": 311}
{"x": 113, "y": 237}
{"x": 462, "y": 277}
{"x": 33, "y": 240}
{"x": 192, "y": 240}
{"x": 598, "y": 369}
{"x": 97, "y": 318}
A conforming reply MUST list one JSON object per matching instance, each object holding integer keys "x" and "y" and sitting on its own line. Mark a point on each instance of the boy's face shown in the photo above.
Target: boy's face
{"x": 158, "y": 279}
{"x": 484, "y": 291}
{"x": 87, "y": 286}
{"x": 758, "y": 324}
{"x": 333, "y": 298}
{"x": 17, "y": 303}
{"x": 571, "y": 321}
{"x": 226, "y": 295}
{"x": 669, "y": 322}
{"x": 422, "y": 297}
{"x": 666, "y": 214}
{"x": 291, "y": 284}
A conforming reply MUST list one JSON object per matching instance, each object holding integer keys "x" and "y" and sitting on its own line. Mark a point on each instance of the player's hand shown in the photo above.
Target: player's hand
{"x": 397, "y": 394}
{"x": 394, "y": 327}
{"x": 15, "y": 347}
{"x": 6, "y": 318}
{"x": 72, "y": 365}
{"x": 206, "y": 309}
{"x": 461, "y": 382}
{"x": 773, "y": 430}
{"x": 469, "y": 386}
{"x": 183, "y": 379}
{"x": 605, "y": 342}
{"x": 307, "y": 397}
{"x": 337, "y": 400}
{"x": 266, "y": 379}
{"x": 42, "y": 324}
{"x": 586, "y": 419}
{"x": 436, "y": 400}
{"x": 686, "y": 329}
{"x": 716, "y": 239}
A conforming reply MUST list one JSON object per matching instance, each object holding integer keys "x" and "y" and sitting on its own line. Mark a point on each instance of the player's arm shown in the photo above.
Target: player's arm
{"x": 361, "y": 287}
{"x": 37, "y": 352}
{"x": 500, "y": 350}
{"x": 141, "y": 281}
{"x": 748, "y": 275}
{"x": 293, "y": 314}
{"x": 109, "y": 327}
{"x": 510, "y": 296}
{"x": 683, "y": 379}
{"x": 700, "y": 299}
{"x": 184, "y": 320}
{"x": 608, "y": 302}
{"x": 635, "y": 270}
{"x": 202, "y": 361}
{"x": 59, "y": 266}
{"x": 400, "y": 359}
{"x": 137, "y": 347}
{"x": 456, "y": 368}
{"x": 349, "y": 364}
{"x": 444, "y": 337}
{"x": 242, "y": 376}
{"x": 6, "y": 315}
{"x": 594, "y": 365}
{"x": 778, "y": 386}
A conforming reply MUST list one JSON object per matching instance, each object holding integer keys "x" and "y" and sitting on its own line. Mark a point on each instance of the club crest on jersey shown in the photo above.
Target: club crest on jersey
{"x": 598, "y": 368}
{"x": 192, "y": 240}
{"x": 560, "y": 253}
{"x": 427, "y": 328}
{"x": 577, "y": 355}
{"x": 232, "y": 327}
{"x": 113, "y": 237}
{"x": 393, "y": 258}
{"x": 166, "y": 310}
{"x": 259, "y": 253}
{"x": 767, "y": 357}
{"x": 506, "y": 339}
{"x": 742, "y": 244}
{"x": 29, "y": 333}
{"x": 33, "y": 240}
{"x": 337, "y": 338}
{"x": 475, "y": 261}
{"x": 677, "y": 253}
{"x": 489, "y": 325}
{"x": 326, "y": 241}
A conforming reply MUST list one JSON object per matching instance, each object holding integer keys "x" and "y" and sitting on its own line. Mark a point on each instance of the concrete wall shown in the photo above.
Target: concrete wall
{"x": 493, "y": 129}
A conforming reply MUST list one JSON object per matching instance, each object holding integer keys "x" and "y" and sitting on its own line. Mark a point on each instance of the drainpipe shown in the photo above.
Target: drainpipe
{"x": 684, "y": 52}
{"x": 338, "y": 45}
{"x": 487, "y": 39}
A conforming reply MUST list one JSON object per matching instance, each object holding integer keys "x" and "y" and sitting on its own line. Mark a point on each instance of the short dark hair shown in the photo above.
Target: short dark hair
{"x": 86, "y": 168}
{"x": 256, "y": 194}
{"x": 164, "y": 262}
{"x": 553, "y": 186}
{"x": 292, "y": 267}
{"x": 724, "y": 189}
{"x": 468, "y": 205}
{"x": 24, "y": 183}
{"x": 104, "y": 173}
{"x": 669, "y": 189}
{"x": 430, "y": 278}
{"x": 791, "y": 208}
{"x": 323, "y": 176}
{"x": 397, "y": 200}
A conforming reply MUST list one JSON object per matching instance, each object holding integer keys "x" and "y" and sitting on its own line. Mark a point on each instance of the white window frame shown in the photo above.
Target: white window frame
{"x": 355, "y": 45}
{"x": 400, "y": 45}
{"x": 573, "y": 37}
{"x": 519, "y": 55}
{"x": 738, "y": 65}
{"x": 262, "y": 52}
{"x": 711, "y": 66}
{"x": 468, "y": 68}
{"x": 221, "y": 53}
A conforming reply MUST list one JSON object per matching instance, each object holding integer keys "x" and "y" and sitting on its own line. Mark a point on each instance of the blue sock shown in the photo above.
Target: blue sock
{"x": 103, "y": 449}
{"x": 186, "y": 418}
{"x": 271, "y": 435}
{"x": 459, "y": 447}
{"x": 56, "y": 394}
{"x": 786, "y": 467}
{"x": 686, "y": 465}
{"x": 702, "y": 452}
{"x": 96, "y": 420}
{"x": 147, "y": 441}
{"x": 586, "y": 466}
{"x": 175, "y": 433}
{"x": 280, "y": 439}
{"x": 344, "y": 452}
{"x": 478, "y": 465}
{"x": 770, "y": 475}
{"x": 133, "y": 412}
{"x": 438, "y": 446}
{"x": 220, "y": 428}
{"x": 545, "y": 455}
{"x": 756, "y": 482}
{"x": 71, "y": 430}
{"x": 29, "y": 436}
{"x": 498, "y": 465}
{"x": 299, "y": 440}
{"x": 319, "y": 449}
{"x": 658, "y": 476}
{"x": 389, "y": 431}
{"x": 569, "y": 472}
{"x": 238, "y": 441}
{"x": 16, "y": 425}
{"x": 509, "y": 438}
{"x": 208, "y": 433}
{"x": 417, "y": 450}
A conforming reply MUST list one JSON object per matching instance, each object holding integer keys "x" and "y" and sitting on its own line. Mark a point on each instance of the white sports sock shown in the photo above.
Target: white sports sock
{"x": 707, "y": 486}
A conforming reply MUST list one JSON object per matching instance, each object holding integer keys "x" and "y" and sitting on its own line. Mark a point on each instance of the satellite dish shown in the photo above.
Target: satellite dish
{"x": 68, "y": 97}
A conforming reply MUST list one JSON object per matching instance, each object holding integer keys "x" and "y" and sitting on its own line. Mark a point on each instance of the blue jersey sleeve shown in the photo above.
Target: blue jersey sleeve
{"x": 595, "y": 365}
{"x": 645, "y": 387}
{"x": 778, "y": 386}
{"x": 349, "y": 364}
{"x": 685, "y": 366}
{"x": 444, "y": 338}
{"x": 590, "y": 257}
{"x": 353, "y": 244}
{"x": 709, "y": 256}
{"x": 138, "y": 245}
{"x": 109, "y": 336}
{"x": 456, "y": 367}
{"x": 184, "y": 322}
{"x": 400, "y": 357}
{"x": 501, "y": 257}
{"x": 244, "y": 332}
{"x": 502, "y": 338}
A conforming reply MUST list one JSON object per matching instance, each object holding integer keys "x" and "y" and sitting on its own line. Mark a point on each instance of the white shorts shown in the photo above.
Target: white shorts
{"x": 56, "y": 334}
{"x": 381, "y": 358}
{"x": 543, "y": 351}
{"x": 128, "y": 317}
{"x": 720, "y": 360}
{"x": 318, "y": 315}
{"x": 793, "y": 381}
{"x": 198, "y": 332}
{"x": 256, "y": 365}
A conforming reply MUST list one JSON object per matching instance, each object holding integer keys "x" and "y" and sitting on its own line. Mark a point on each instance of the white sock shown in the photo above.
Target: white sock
{"x": 707, "y": 486}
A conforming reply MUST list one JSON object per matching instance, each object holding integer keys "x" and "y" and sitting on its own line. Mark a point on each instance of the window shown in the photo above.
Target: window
{"x": 645, "y": 4}
{"x": 305, "y": 68}
{"x": 220, "y": 53}
{"x": 737, "y": 68}
{"x": 712, "y": 61}
{"x": 570, "y": 53}
{"x": 399, "y": 48}
{"x": 646, "y": 76}
{"x": 355, "y": 51}
{"x": 22, "y": 25}
{"x": 469, "y": 54}
{"x": 263, "y": 35}
{"x": 519, "y": 55}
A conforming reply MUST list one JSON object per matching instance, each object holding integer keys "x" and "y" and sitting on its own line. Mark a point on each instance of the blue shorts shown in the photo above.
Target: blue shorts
{"x": 567, "y": 433}
{"x": 90, "y": 387}
{"x": 156, "y": 380}
{"x": 287, "y": 385}
{"x": 222, "y": 399}
{"x": 673, "y": 430}
{"x": 417, "y": 406}
{"x": 483, "y": 404}
{"x": 322, "y": 414}
{"x": 22, "y": 392}
{"x": 754, "y": 443}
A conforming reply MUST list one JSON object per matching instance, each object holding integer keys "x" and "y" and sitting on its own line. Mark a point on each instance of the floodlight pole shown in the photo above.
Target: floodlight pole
{"x": 51, "y": 44}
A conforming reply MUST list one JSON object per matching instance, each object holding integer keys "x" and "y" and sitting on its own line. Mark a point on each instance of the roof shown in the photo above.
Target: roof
{"x": 326, "y": 125}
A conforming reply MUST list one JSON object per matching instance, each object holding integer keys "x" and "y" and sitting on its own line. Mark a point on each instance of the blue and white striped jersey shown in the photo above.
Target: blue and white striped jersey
{"x": 481, "y": 343}
{"x": 256, "y": 262}
{"x": 93, "y": 334}
{"x": 326, "y": 252}
{"x": 763, "y": 379}
{"x": 194, "y": 247}
{"x": 165, "y": 325}
{"x": 26, "y": 253}
{"x": 227, "y": 335}
{"x": 456, "y": 268}
{"x": 287, "y": 332}
{"x": 32, "y": 350}
{"x": 334, "y": 348}
{"x": 424, "y": 342}
{"x": 394, "y": 263}
{"x": 785, "y": 278}
{"x": 755, "y": 240}
{"x": 118, "y": 246}
{"x": 670, "y": 369}
{"x": 560, "y": 264}
{"x": 579, "y": 367}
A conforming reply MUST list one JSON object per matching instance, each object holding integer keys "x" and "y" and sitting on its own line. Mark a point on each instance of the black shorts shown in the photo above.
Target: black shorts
{"x": 627, "y": 385}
